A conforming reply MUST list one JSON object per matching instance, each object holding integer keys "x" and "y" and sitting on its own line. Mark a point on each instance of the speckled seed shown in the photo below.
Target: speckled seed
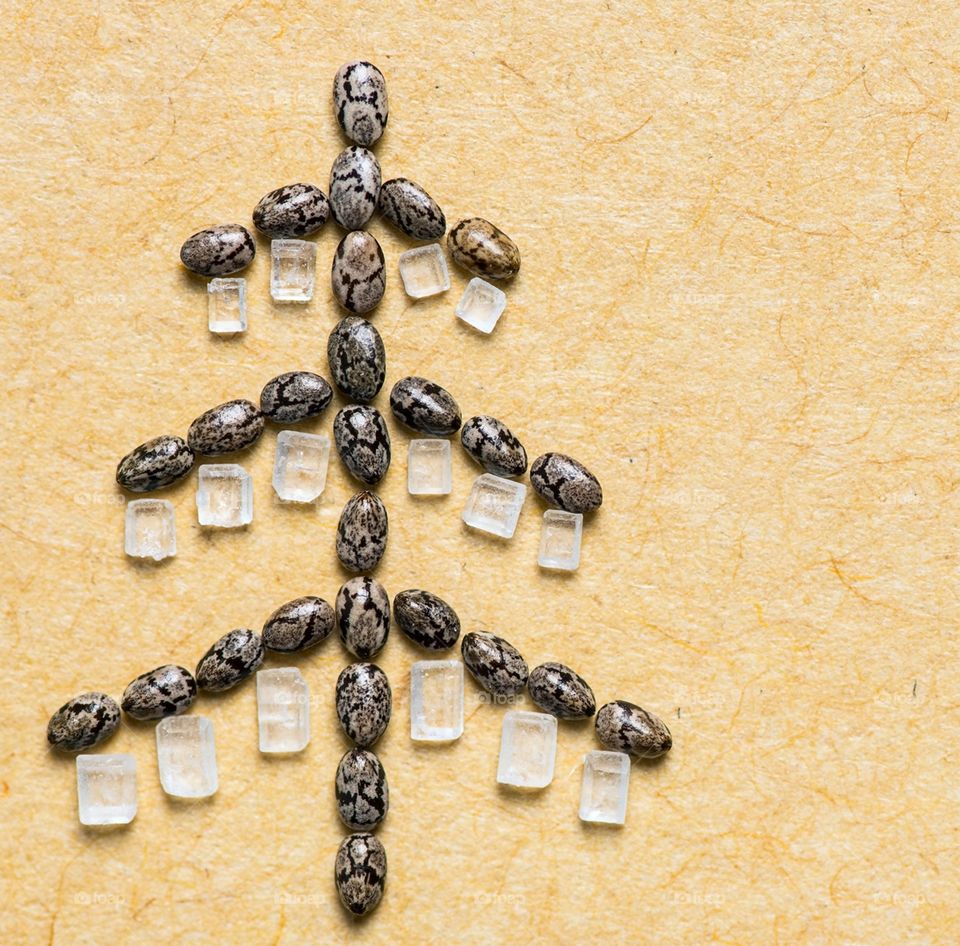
{"x": 294, "y": 396}
{"x": 411, "y": 209}
{"x": 483, "y": 249}
{"x": 293, "y": 210}
{"x": 364, "y": 702}
{"x": 491, "y": 443}
{"x": 363, "y": 796}
{"x": 362, "y": 532}
{"x": 218, "y": 251}
{"x": 358, "y": 275}
{"x": 425, "y": 407}
{"x": 358, "y": 362}
{"x": 363, "y": 616}
{"x": 83, "y": 722}
{"x": 231, "y": 659}
{"x": 354, "y": 187}
{"x": 360, "y": 99}
{"x": 363, "y": 442}
{"x": 494, "y": 663}
{"x": 426, "y": 619}
{"x": 564, "y": 482}
{"x": 626, "y": 727}
{"x": 155, "y": 464}
{"x": 298, "y": 624}
{"x": 166, "y": 691}
{"x": 226, "y": 428}
{"x": 360, "y": 872}
{"x": 556, "y": 689}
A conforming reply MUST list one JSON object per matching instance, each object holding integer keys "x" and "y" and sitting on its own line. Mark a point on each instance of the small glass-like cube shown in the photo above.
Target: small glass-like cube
{"x": 494, "y": 505}
{"x": 283, "y": 710}
{"x": 227, "y": 305}
{"x": 560, "y": 540}
{"x": 428, "y": 468}
{"x": 424, "y": 271}
{"x": 603, "y": 790}
{"x": 149, "y": 530}
{"x": 528, "y": 749}
{"x": 436, "y": 700}
{"x": 106, "y": 789}
{"x": 293, "y": 266}
{"x": 187, "y": 756}
{"x": 224, "y": 496}
{"x": 300, "y": 466}
{"x": 481, "y": 305}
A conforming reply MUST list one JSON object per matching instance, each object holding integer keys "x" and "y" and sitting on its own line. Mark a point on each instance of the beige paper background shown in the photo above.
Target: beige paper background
{"x": 737, "y": 305}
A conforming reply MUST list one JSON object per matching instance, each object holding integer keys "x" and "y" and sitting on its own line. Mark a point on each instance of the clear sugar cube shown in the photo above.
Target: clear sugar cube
{"x": 560, "y": 540}
{"x": 481, "y": 305}
{"x": 106, "y": 789}
{"x": 283, "y": 710}
{"x": 227, "y": 305}
{"x": 293, "y": 266}
{"x": 424, "y": 271}
{"x": 300, "y": 466}
{"x": 494, "y": 505}
{"x": 149, "y": 530}
{"x": 603, "y": 790}
{"x": 528, "y": 749}
{"x": 428, "y": 468}
{"x": 224, "y": 496}
{"x": 187, "y": 756}
{"x": 436, "y": 700}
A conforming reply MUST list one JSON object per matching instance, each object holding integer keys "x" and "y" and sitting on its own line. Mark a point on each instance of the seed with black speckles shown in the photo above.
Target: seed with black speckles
{"x": 360, "y": 100}
{"x": 294, "y": 210}
{"x": 218, "y": 251}
{"x": 364, "y": 702}
{"x": 626, "y": 727}
{"x": 362, "y": 532}
{"x": 298, "y": 624}
{"x": 155, "y": 464}
{"x": 358, "y": 362}
{"x": 167, "y": 691}
{"x": 294, "y": 396}
{"x": 363, "y": 442}
{"x": 226, "y": 428}
{"x": 426, "y": 619}
{"x": 354, "y": 187}
{"x": 360, "y": 872}
{"x": 425, "y": 407}
{"x": 358, "y": 275}
{"x": 363, "y": 796}
{"x": 494, "y": 663}
{"x": 483, "y": 249}
{"x": 411, "y": 209}
{"x": 565, "y": 482}
{"x": 363, "y": 616}
{"x": 556, "y": 689}
{"x": 492, "y": 444}
{"x": 83, "y": 722}
{"x": 231, "y": 659}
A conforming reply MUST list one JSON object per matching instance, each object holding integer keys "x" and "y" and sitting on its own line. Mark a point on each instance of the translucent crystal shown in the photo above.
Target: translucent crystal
{"x": 494, "y": 505}
{"x": 224, "y": 495}
{"x": 106, "y": 789}
{"x": 436, "y": 700}
{"x": 603, "y": 791}
{"x": 283, "y": 710}
{"x": 481, "y": 305}
{"x": 424, "y": 271}
{"x": 528, "y": 748}
{"x": 187, "y": 756}
{"x": 149, "y": 530}
{"x": 300, "y": 465}
{"x": 227, "y": 305}
{"x": 428, "y": 468}
{"x": 293, "y": 265}
{"x": 560, "y": 540}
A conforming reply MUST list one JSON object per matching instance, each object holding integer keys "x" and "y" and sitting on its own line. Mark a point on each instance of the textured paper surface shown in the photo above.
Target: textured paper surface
{"x": 737, "y": 306}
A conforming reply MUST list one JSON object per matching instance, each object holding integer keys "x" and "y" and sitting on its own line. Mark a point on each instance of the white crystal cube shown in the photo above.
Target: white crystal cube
{"x": 494, "y": 505}
{"x": 528, "y": 749}
{"x": 436, "y": 700}
{"x": 187, "y": 756}
{"x": 603, "y": 790}
{"x": 300, "y": 465}
{"x": 224, "y": 495}
{"x": 106, "y": 789}
{"x": 293, "y": 266}
{"x": 560, "y": 540}
{"x": 424, "y": 271}
{"x": 481, "y": 305}
{"x": 149, "y": 530}
{"x": 283, "y": 710}
{"x": 227, "y": 305}
{"x": 429, "y": 470}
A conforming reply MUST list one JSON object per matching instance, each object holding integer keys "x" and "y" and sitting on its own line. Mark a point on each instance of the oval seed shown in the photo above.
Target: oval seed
{"x": 363, "y": 796}
{"x": 354, "y": 187}
{"x": 426, "y": 619}
{"x": 231, "y": 659}
{"x": 293, "y": 210}
{"x": 360, "y": 100}
{"x": 226, "y": 428}
{"x": 626, "y": 727}
{"x": 298, "y": 624}
{"x": 363, "y": 442}
{"x": 83, "y": 722}
{"x": 218, "y": 251}
{"x": 494, "y": 663}
{"x": 411, "y": 209}
{"x": 483, "y": 249}
{"x": 491, "y": 443}
{"x": 425, "y": 407}
{"x": 358, "y": 276}
{"x": 564, "y": 482}
{"x": 155, "y": 464}
{"x": 167, "y": 691}
{"x": 363, "y": 616}
{"x": 364, "y": 702}
{"x": 294, "y": 396}
{"x": 556, "y": 689}
{"x": 358, "y": 362}
{"x": 360, "y": 872}
{"x": 362, "y": 532}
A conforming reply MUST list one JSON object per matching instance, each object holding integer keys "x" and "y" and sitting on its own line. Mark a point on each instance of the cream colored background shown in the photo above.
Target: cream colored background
{"x": 737, "y": 305}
